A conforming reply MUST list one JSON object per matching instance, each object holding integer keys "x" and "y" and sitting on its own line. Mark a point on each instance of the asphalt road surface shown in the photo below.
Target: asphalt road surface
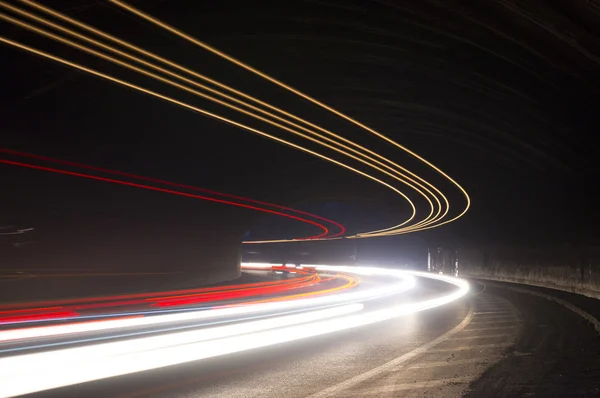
{"x": 493, "y": 342}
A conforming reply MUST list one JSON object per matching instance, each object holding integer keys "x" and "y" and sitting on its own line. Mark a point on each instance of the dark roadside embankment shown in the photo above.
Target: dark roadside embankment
{"x": 569, "y": 268}
{"x": 557, "y": 353}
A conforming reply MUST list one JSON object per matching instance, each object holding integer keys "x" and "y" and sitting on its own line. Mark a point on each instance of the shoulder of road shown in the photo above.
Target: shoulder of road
{"x": 556, "y": 351}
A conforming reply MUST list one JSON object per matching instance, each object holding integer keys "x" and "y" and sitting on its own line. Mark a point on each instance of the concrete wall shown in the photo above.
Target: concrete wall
{"x": 112, "y": 229}
{"x": 573, "y": 269}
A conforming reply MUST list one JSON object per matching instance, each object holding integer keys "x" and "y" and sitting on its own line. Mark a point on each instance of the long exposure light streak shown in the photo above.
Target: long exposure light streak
{"x": 58, "y": 303}
{"x": 430, "y": 219}
{"x": 100, "y": 337}
{"x": 271, "y": 79}
{"x": 98, "y": 360}
{"x": 170, "y": 191}
{"x": 206, "y": 113}
{"x": 164, "y": 80}
{"x": 168, "y": 183}
{"x": 97, "y": 355}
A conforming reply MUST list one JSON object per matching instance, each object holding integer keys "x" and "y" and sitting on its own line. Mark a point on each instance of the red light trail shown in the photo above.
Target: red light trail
{"x": 170, "y": 191}
{"x": 275, "y": 290}
{"x": 164, "y": 182}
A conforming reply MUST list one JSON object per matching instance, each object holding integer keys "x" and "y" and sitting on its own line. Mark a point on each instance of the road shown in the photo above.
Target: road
{"x": 491, "y": 342}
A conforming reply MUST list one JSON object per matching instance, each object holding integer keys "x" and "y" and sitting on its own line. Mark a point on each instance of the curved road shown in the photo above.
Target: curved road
{"x": 493, "y": 342}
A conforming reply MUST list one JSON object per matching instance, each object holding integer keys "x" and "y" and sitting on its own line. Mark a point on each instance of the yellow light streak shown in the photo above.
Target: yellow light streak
{"x": 190, "y": 107}
{"x": 163, "y": 80}
{"x": 265, "y": 76}
{"x": 393, "y": 172}
{"x": 428, "y": 220}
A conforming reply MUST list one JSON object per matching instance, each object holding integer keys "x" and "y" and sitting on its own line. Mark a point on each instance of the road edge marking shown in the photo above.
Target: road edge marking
{"x": 336, "y": 389}
{"x": 579, "y": 311}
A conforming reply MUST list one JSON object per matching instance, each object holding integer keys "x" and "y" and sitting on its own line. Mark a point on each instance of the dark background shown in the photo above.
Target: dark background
{"x": 502, "y": 95}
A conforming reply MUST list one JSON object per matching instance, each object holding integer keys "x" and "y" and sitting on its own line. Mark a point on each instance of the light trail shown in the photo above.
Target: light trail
{"x": 278, "y": 319}
{"x": 134, "y": 354}
{"x": 392, "y": 168}
{"x": 54, "y": 304}
{"x": 187, "y": 89}
{"x": 65, "y": 309}
{"x": 100, "y": 353}
{"x": 206, "y": 113}
{"x": 138, "y": 318}
{"x": 170, "y": 191}
{"x": 280, "y": 119}
{"x": 163, "y": 182}
{"x": 430, "y": 219}
{"x": 350, "y": 283}
{"x": 271, "y": 79}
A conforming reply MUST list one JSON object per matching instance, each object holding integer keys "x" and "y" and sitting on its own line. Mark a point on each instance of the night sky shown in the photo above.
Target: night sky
{"x": 501, "y": 95}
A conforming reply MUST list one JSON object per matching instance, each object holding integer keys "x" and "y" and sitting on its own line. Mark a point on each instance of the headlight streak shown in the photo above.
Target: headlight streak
{"x": 120, "y": 350}
{"x": 120, "y": 334}
{"x": 252, "y": 306}
{"x": 93, "y": 362}
{"x": 312, "y": 316}
{"x": 397, "y": 172}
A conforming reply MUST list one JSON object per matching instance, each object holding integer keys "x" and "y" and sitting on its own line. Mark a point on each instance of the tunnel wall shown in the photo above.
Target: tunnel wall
{"x": 568, "y": 268}
{"x": 77, "y": 225}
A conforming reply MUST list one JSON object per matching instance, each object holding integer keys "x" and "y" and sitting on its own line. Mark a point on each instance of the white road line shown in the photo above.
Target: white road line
{"x": 507, "y": 318}
{"x": 469, "y": 347}
{"x": 493, "y": 328}
{"x": 486, "y": 322}
{"x": 582, "y": 313}
{"x": 492, "y": 312}
{"x": 494, "y": 306}
{"x": 502, "y": 315}
{"x": 485, "y": 336}
{"x": 480, "y": 304}
{"x": 426, "y": 365}
{"x": 413, "y": 386}
{"x": 393, "y": 364}
{"x": 492, "y": 316}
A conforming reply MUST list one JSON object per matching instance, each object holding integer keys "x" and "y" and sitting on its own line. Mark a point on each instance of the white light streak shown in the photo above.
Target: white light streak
{"x": 28, "y": 373}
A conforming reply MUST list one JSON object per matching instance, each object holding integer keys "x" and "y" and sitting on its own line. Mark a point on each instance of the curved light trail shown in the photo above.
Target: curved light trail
{"x": 138, "y": 305}
{"x": 227, "y": 88}
{"x": 341, "y": 231}
{"x": 100, "y": 337}
{"x": 194, "y": 108}
{"x": 352, "y": 150}
{"x": 265, "y": 76}
{"x": 179, "y": 193}
{"x": 400, "y": 178}
{"x": 199, "y": 110}
{"x": 143, "y": 341}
